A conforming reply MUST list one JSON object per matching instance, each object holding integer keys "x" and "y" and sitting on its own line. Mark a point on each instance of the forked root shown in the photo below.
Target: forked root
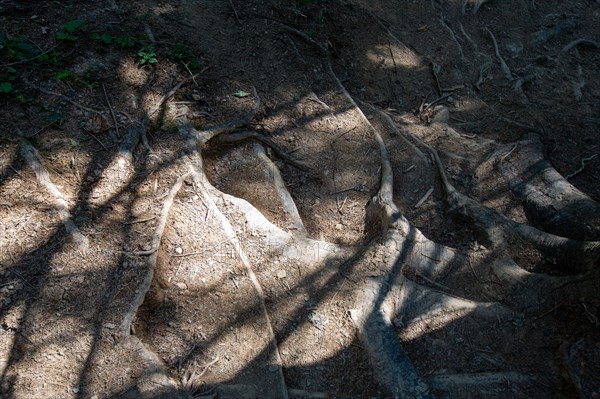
{"x": 578, "y": 256}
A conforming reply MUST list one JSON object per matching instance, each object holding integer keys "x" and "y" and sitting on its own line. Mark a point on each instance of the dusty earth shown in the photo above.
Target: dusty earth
{"x": 273, "y": 199}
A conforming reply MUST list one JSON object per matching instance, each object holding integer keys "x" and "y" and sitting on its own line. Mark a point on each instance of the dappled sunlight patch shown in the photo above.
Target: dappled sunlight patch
{"x": 394, "y": 56}
{"x": 131, "y": 74}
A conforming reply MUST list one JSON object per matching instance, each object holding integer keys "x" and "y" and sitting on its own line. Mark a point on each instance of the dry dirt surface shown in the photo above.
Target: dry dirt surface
{"x": 299, "y": 199}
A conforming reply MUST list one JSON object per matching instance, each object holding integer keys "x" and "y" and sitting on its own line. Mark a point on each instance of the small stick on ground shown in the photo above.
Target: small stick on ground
{"x": 111, "y": 109}
{"x": 235, "y": 13}
{"x": 68, "y": 99}
{"x": 424, "y": 198}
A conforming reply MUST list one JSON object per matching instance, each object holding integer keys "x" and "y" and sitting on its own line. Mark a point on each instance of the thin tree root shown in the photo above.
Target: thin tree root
{"x": 33, "y": 158}
{"x": 452, "y": 36}
{"x": 582, "y": 42}
{"x": 253, "y": 135}
{"x": 392, "y": 125}
{"x": 286, "y": 199}
{"x": 151, "y": 262}
{"x": 505, "y": 69}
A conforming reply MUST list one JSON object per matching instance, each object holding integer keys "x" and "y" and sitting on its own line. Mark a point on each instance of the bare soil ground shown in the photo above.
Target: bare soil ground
{"x": 299, "y": 199}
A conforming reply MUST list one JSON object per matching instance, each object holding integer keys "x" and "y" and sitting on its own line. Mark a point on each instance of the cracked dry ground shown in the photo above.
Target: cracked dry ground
{"x": 351, "y": 199}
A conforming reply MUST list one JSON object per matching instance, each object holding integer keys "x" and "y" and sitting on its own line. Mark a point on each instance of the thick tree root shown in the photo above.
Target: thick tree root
{"x": 552, "y": 202}
{"x": 32, "y": 157}
{"x": 578, "y": 256}
{"x": 196, "y": 142}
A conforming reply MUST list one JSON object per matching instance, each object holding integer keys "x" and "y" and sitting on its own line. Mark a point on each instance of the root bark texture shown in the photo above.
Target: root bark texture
{"x": 33, "y": 158}
{"x": 552, "y": 202}
{"x": 196, "y": 142}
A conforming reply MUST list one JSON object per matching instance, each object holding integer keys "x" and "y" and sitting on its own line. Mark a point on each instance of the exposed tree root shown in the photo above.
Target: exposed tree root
{"x": 32, "y": 157}
{"x": 120, "y": 170}
{"x": 252, "y": 135}
{"x": 286, "y": 199}
{"x": 478, "y": 380}
{"x": 196, "y": 141}
{"x": 582, "y": 42}
{"x": 579, "y": 256}
{"x": 151, "y": 262}
{"x": 392, "y": 125}
{"x": 552, "y": 202}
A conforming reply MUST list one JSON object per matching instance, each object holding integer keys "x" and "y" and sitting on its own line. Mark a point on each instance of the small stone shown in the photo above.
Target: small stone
{"x": 339, "y": 226}
{"x": 281, "y": 274}
{"x": 179, "y": 250}
{"x": 110, "y": 326}
{"x": 441, "y": 114}
{"x": 196, "y": 97}
{"x": 181, "y": 286}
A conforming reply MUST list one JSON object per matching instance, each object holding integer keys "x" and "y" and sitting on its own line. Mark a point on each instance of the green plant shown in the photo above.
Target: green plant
{"x": 147, "y": 55}
{"x": 18, "y": 47}
{"x": 6, "y": 87}
{"x": 86, "y": 79}
{"x": 104, "y": 38}
{"x": 61, "y": 75}
{"x": 69, "y": 30}
{"x": 184, "y": 54}
{"x": 124, "y": 41}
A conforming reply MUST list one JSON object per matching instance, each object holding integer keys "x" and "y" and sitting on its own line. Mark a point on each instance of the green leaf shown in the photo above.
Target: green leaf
{"x": 73, "y": 143}
{"x": 65, "y": 36}
{"x": 11, "y": 70}
{"x": 6, "y": 87}
{"x": 74, "y": 25}
{"x": 106, "y": 38}
{"x": 62, "y": 75}
{"x": 241, "y": 94}
{"x": 125, "y": 41}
